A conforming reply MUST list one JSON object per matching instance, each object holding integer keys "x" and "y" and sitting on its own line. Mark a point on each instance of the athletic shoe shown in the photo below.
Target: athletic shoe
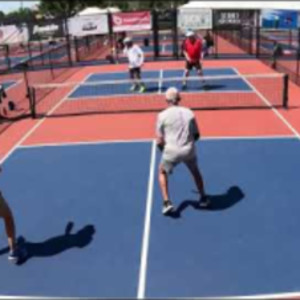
{"x": 184, "y": 85}
{"x": 204, "y": 202}
{"x": 142, "y": 89}
{"x": 17, "y": 254}
{"x": 167, "y": 207}
{"x": 133, "y": 88}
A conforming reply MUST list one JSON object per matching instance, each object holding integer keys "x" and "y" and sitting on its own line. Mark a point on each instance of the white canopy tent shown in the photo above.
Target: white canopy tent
{"x": 256, "y": 5}
{"x": 96, "y": 11}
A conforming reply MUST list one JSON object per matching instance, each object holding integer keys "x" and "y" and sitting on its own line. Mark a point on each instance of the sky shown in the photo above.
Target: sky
{"x": 8, "y": 6}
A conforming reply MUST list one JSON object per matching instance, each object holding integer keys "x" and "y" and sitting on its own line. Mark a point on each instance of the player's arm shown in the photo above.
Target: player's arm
{"x": 187, "y": 57}
{"x": 140, "y": 55}
{"x": 160, "y": 141}
{"x": 184, "y": 51}
{"x": 194, "y": 129}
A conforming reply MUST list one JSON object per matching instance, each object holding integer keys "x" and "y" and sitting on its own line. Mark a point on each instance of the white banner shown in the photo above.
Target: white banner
{"x": 132, "y": 21}
{"x": 12, "y": 34}
{"x": 88, "y": 25}
{"x": 195, "y": 19}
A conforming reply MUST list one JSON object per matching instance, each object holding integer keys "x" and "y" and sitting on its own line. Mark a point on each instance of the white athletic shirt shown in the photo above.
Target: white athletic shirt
{"x": 135, "y": 56}
{"x": 177, "y": 125}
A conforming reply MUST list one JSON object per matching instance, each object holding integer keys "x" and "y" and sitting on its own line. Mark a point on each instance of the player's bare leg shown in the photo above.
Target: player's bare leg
{"x": 164, "y": 186}
{"x": 198, "y": 179}
{"x": 186, "y": 74}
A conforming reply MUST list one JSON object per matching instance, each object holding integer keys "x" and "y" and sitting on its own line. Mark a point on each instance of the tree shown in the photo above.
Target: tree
{"x": 20, "y": 16}
{"x": 66, "y": 8}
{"x": 2, "y": 17}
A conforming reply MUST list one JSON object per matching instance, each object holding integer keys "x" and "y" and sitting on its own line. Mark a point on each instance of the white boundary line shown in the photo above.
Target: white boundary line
{"x": 216, "y": 138}
{"x": 86, "y": 78}
{"x": 71, "y": 144}
{"x": 147, "y": 227}
{"x": 15, "y": 83}
{"x": 292, "y": 295}
{"x": 33, "y": 129}
{"x": 275, "y": 111}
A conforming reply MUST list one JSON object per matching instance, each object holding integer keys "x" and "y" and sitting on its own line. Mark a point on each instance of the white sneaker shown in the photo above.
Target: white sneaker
{"x": 204, "y": 202}
{"x": 167, "y": 207}
{"x": 133, "y": 88}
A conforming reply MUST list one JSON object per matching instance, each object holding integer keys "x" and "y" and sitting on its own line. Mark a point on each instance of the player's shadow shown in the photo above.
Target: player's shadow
{"x": 58, "y": 244}
{"x": 217, "y": 202}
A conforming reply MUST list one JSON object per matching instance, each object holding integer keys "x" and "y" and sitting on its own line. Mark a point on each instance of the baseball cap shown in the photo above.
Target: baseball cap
{"x": 172, "y": 95}
{"x": 128, "y": 40}
{"x": 189, "y": 33}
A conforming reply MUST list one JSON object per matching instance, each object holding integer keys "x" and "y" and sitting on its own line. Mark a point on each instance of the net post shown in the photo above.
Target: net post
{"x": 285, "y": 90}
{"x": 32, "y": 101}
{"x": 33, "y": 107}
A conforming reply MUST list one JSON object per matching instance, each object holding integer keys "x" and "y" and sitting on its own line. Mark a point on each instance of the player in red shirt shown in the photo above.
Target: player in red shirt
{"x": 192, "y": 50}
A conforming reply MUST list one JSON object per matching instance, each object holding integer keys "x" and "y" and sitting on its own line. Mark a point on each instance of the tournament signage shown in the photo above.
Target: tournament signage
{"x": 233, "y": 18}
{"x": 88, "y": 25}
{"x": 11, "y": 34}
{"x": 195, "y": 19}
{"x": 279, "y": 19}
{"x": 132, "y": 21}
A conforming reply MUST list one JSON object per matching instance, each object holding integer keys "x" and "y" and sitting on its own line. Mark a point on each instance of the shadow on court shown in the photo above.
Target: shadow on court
{"x": 218, "y": 202}
{"x": 56, "y": 245}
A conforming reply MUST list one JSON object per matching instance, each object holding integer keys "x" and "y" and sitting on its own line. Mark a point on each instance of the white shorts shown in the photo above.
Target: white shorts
{"x": 171, "y": 158}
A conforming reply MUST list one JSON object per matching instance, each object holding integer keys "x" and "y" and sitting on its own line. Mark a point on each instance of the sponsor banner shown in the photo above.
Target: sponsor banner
{"x": 47, "y": 29}
{"x": 12, "y": 34}
{"x": 233, "y": 18}
{"x": 195, "y": 19}
{"x": 132, "y": 21}
{"x": 88, "y": 25}
{"x": 279, "y": 19}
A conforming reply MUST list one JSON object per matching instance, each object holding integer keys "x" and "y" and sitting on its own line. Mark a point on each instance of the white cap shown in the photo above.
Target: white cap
{"x": 189, "y": 33}
{"x": 128, "y": 40}
{"x": 172, "y": 95}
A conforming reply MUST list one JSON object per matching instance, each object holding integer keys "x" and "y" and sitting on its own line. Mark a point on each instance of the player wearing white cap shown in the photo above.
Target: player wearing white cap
{"x": 136, "y": 60}
{"x": 192, "y": 49}
{"x": 177, "y": 132}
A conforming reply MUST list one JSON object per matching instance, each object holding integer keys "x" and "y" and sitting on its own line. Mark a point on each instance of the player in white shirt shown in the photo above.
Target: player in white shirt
{"x": 135, "y": 57}
{"x": 177, "y": 132}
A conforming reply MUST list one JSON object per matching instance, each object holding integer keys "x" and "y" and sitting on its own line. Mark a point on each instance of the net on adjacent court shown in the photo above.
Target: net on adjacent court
{"x": 115, "y": 96}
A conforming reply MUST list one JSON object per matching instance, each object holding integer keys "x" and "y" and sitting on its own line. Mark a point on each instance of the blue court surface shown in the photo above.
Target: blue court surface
{"x": 162, "y": 48}
{"x": 90, "y": 218}
{"x": 158, "y": 81}
{"x": 8, "y": 84}
{"x": 14, "y": 60}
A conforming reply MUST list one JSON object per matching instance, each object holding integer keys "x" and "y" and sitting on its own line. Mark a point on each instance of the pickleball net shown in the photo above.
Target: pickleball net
{"x": 115, "y": 96}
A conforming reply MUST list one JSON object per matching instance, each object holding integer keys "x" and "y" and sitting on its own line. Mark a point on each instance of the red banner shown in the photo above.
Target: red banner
{"x": 132, "y": 21}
